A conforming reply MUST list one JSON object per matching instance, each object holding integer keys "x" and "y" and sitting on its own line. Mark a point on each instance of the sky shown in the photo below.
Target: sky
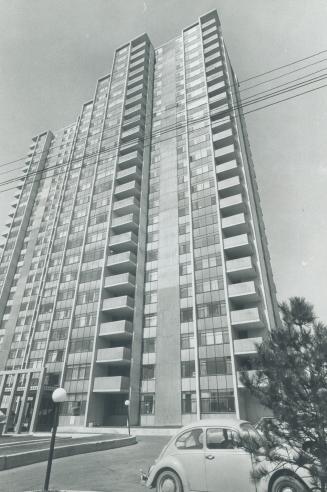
{"x": 52, "y": 53}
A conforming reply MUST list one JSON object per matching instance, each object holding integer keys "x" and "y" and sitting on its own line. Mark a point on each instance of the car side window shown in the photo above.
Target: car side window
{"x": 220, "y": 438}
{"x": 192, "y": 439}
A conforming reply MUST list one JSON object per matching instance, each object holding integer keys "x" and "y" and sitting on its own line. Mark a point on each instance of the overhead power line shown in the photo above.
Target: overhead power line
{"x": 229, "y": 86}
{"x": 280, "y": 67}
{"x": 166, "y": 130}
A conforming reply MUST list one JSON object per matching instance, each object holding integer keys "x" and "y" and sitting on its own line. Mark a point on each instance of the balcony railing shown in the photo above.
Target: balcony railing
{"x": 120, "y": 284}
{"x": 229, "y": 186}
{"x": 241, "y": 269}
{"x": 116, "y": 330}
{"x": 132, "y": 188}
{"x": 247, "y": 318}
{"x": 124, "y": 242}
{"x": 236, "y": 246}
{"x": 235, "y": 224}
{"x": 244, "y": 292}
{"x": 130, "y": 159}
{"x": 129, "y": 174}
{"x": 125, "y": 223}
{"x": 122, "y": 262}
{"x": 232, "y": 205}
{"x": 245, "y": 346}
{"x": 111, "y": 384}
{"x": 119, "y": 306}
{"x": 126, "y": 206}
{"x": 118, "y": 356}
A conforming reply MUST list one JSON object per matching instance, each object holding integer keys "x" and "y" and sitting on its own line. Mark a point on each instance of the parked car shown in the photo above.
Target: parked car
{"x": 3, "y": 419}
{"x": 207, "y": 456}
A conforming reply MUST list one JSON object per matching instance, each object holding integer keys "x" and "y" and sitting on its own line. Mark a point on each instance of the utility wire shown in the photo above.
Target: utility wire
{"x": 169, "y": 138}
{"x": 282, "y": 66}
{"x": 227, "y": 86}
{"x": 248, "y": 100}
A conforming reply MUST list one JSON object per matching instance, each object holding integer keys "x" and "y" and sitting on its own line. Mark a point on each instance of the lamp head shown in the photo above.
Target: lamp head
{"x": 127, "y": 403}
{"x": 59, "y": 395}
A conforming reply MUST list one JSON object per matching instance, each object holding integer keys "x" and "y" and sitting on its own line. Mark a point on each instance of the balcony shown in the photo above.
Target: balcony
{"x": 243, "y": 292}
{"x": 235, "y": 224}
{"x": 247, "y": 318}
{"x": 129, "y": 174}
{"x": 127, "y": 206}
{"x": 244, "y": 346}
{"x": 237, "y": 246}
{"x": 119, "y": 306}
{"x": 220, "y": 137}
{"x": 124, "y": 242}
{"x": 116, "y": 330}
{"x": 230, "y": 186}
{"x": 111, "y": 384}
{"x": 130, "y": 146}
{"x": 131, "y": 159}
{"x": 120, "y": 284}
{"x": 131, "y": 134}
{"x": 118, "y": 356}
{"x": 125, "y": 223}
{"x": 232, "y": 205}
{"x": 137, "y": 120}
{"x": 227, "y": 170}
{"x": 241, "y": 269}
{"x": 216, "y": 88}
{"x": 122, "y": 262}
{"x": 225, "y": 154}
{"x": 132, "y": 188}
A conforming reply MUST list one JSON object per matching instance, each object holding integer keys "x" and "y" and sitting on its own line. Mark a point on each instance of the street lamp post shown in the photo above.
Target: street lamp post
{"x": 58, "y": 396}
{"x": 127, "y": 403}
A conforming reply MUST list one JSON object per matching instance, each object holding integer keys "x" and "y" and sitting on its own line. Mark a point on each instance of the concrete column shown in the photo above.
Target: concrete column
{"x": 2, "y": 386}
{"x": 11, "y": 400}
{"x": 23, "y": 402}
{"x": 37, "y": 400}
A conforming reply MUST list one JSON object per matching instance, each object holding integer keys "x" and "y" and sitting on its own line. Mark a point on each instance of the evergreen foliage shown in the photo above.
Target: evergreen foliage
{"x": 291, "y": 381}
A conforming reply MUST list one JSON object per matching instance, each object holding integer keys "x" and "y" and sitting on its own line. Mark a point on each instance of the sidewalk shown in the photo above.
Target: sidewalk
{"x": 22, "y": 451}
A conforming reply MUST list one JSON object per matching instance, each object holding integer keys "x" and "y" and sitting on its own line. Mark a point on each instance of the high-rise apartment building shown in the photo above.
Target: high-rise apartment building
{"x": 136, "y": 265}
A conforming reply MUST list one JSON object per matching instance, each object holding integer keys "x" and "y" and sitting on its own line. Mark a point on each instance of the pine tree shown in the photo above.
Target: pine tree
{"x": 291, "y": 381}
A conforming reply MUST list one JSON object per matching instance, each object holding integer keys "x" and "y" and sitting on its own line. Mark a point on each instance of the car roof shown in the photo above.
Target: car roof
{"x": 219, "y": 421}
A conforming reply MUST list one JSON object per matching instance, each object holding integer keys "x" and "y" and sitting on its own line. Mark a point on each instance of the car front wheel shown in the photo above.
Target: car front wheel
{"x": 287, "y": 484}
{"x": 169, "y": 481}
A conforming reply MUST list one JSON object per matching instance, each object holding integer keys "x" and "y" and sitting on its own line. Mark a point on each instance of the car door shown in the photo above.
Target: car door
{"x": 227, "y": 466}
{"x": 189, "y": 454}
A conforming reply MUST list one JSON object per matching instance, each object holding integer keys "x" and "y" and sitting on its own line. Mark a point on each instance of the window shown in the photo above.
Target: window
{"x": 148, "y": 372}
{"x": 186, "y": 315}
{"x": 192, "y": 439}
{"x": 148, "y": 345}
{"x": 147, "y": 404}
{"x": 78, "y": 372}
{"x": 188, "y": 369}
{"x": 220, "y": 438}
{"x": 188, "y": 402}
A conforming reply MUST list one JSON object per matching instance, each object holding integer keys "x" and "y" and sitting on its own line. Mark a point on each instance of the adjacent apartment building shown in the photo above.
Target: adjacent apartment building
{"x": 136, "y": 266}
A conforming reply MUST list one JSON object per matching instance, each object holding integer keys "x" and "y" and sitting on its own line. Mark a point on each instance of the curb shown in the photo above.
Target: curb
{"x": 36, "y": 456}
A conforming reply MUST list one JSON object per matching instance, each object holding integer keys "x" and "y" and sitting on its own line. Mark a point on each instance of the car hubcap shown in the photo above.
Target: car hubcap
{"x": 168, "y": 485}
{"x": 287, "y": 488}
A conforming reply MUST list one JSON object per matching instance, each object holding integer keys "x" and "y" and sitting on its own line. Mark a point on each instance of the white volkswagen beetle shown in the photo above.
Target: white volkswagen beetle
{"x": 207, "y": 456}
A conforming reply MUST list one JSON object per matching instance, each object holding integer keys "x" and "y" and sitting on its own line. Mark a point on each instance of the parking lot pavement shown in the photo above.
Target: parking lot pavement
{"x": 115, "y": 470}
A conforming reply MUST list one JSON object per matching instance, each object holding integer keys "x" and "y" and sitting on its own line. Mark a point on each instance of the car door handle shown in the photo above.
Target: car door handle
{"x": 210, "y": 457}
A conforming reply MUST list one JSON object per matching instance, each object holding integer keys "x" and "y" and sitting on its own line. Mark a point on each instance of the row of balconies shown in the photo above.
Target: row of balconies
{"x": 123, "y": 242}
{"x": 120, "y": 384}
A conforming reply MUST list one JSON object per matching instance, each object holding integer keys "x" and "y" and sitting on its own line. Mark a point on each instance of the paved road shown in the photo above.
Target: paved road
{"x": 115, "y": 470}
{"x": 22, "y": 444}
